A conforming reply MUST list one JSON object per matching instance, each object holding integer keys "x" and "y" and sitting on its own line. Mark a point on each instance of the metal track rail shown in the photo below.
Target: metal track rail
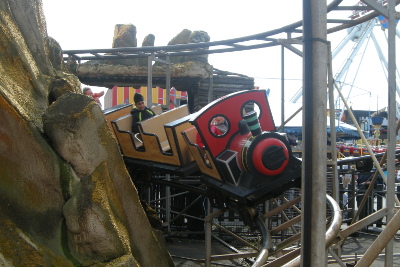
{"x": 261, "y": 40}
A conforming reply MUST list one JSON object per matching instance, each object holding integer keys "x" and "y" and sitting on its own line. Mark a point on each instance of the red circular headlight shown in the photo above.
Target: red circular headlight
{"x": 270, "y": 156}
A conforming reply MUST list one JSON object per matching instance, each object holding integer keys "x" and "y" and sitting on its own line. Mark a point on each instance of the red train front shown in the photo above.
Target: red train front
{"x": 253, "y": 161}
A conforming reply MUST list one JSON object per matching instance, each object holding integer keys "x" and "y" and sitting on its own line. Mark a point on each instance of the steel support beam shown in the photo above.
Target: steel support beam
{"x": 391, "y": 146}
{"x": 377, "y": 6}
{"x": 208, "y": 231}
{"x": 385, "y": 238}
{"x": 168, "y": 80}
{"x": 149, "y": 78}
{"x": 168, "y": 204}
{"x": 332, "y": 118}
{"x": 315, "y": 61}
{"x": 282, "y": 88}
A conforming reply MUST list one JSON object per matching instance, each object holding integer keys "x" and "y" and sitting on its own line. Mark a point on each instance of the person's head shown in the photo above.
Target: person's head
{"x": 219, "y": 120}
{"x": 87, "y": 91}
{"x": 139, "y": 101}
{"x": 364, "y": 165}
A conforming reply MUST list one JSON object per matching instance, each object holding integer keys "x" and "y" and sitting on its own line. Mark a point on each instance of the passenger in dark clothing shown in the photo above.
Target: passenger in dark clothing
{"x": 363, "y": 181}
{"x": 140, "y": 112}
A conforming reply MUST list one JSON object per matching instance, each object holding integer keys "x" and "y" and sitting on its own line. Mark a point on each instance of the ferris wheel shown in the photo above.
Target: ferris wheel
{"x": 352, "y": 62}
{"x": 362, "y": 36}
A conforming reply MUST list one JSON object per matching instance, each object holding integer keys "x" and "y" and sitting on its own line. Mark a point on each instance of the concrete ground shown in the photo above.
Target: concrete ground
{"x": 358, "y": 245}
{"x": 188, "y": 252}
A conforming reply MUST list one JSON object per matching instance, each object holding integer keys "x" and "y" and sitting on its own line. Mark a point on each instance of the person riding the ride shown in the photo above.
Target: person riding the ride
{"x": 140, "y": 112}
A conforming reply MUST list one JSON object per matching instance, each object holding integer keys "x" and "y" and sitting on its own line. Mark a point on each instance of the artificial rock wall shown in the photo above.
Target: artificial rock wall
{"x": 66, "y": 198}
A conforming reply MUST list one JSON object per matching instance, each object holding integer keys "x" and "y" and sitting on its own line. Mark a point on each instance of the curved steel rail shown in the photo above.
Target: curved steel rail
{"x": 231, "y": 45}
{"x": 332, "y": 231}
{"x": 334, "y": 227}
{"x": 263, "y": 255}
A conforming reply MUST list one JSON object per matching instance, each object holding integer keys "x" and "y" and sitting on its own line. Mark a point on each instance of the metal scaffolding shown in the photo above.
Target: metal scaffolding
{"x": 312, "y": 34}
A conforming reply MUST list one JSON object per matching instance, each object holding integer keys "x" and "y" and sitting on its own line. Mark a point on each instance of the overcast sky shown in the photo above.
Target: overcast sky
{"x": 89, "y": 24}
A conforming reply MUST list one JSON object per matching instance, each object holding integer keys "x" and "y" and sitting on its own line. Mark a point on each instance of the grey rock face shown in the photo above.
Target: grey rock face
{"x": 95, "y": 231}
{"x": 104, "y": 213}
{"x": 66, "y": 198}
{"x": 72, "y": 124}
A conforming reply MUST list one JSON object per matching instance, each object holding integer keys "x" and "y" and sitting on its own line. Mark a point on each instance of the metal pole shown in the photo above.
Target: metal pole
{"x": 315, "y": 51}
{"x": 332, "y": 117}
{"x": 168, "y": 80}
{"x": 211, "y": 87}
{"x": 207, "y": 238}
{"x": 148, "y": 195}
{"x": 282, "y": 88}
{"x": 168, "y": 204}
{"x": 266, "y": 210}
{"x": 149, "y": 78}
{"x": 391, "y": 146}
